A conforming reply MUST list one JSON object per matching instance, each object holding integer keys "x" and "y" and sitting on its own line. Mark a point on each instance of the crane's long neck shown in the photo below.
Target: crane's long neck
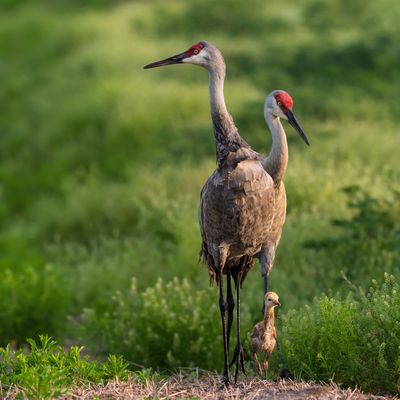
{"x": 225, "y": 131}
{"x": 276, "y": 162}
{"x": 216, "y": 88}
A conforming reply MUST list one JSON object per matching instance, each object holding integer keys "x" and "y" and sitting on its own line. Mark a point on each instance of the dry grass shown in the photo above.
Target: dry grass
{"x": 209, "y": 387}
{"x": 206, "y": 387}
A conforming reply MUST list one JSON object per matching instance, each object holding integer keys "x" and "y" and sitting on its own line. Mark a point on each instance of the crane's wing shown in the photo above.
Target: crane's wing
{"x": 237, "y": 208}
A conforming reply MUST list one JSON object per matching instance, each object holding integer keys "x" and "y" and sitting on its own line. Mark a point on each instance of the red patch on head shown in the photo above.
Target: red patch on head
{"x": 195, "y": 49}
{"x": 284, "y": 100}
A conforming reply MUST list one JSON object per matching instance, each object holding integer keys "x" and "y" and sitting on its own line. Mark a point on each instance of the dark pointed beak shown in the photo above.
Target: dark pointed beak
{"x": 168, "y": 61}
{"x": 293, "y": 121}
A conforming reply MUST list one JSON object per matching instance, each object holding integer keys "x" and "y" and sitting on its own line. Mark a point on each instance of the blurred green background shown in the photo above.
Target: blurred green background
{"x": 102, "y": 162}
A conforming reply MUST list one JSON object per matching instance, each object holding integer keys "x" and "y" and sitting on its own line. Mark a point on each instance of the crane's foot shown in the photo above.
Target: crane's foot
{"x": 225, "y": 382}
{"x": 286, "y": 374}
{"x": 238, "y": 360}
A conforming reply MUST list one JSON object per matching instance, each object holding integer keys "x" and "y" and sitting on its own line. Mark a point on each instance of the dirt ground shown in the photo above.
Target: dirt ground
{"x": 210, "y": 388}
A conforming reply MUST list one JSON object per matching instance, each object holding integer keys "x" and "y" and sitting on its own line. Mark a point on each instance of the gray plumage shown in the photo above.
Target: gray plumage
{"x": 242, "y": 207}
{"x": 237, "y": 208}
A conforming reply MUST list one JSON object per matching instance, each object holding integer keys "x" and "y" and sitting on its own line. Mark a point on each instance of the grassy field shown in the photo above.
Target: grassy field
{"x": 102, "y": 162}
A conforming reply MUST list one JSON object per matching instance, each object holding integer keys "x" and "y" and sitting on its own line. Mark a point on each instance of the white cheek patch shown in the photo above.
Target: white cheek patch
{"x": 198, "y": 59}
{"x": 192, "y": 60}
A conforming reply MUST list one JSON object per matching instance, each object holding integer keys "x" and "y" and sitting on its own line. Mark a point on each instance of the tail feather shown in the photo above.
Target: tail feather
{"x": 240, "y": 266}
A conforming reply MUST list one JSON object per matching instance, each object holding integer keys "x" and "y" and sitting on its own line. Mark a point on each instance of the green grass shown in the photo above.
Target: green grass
{"x": 46, "y": 371}
{"x": 102, "y": 162}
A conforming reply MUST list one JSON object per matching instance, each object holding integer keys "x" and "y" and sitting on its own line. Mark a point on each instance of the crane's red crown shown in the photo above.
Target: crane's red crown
{"x": 284, "y": 100}
{"x": 195, "y": 49}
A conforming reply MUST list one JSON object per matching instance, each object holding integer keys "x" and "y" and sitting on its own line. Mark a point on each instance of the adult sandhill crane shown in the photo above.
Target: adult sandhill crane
{"x": 243, "y": 203}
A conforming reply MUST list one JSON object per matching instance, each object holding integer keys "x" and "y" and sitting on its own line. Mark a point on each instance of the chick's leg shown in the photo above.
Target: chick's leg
{"x": 257, "y": 366}
{"x": 266, "y": 368}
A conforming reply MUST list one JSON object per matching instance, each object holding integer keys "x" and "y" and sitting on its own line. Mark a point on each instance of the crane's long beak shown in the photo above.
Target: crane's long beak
{"x": 177, "y": 59}
{"x": 293, "y": 121}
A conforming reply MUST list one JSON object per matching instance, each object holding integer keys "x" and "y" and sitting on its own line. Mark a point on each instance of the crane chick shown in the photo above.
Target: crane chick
{"x": 263, "y": 336}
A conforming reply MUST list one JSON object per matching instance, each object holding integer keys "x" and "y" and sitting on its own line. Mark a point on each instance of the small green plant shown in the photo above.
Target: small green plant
{"x": 47, "y": 371}
{"x": 355, "y": 341}
{"x": 166, "y": 326}
{"x": 33, "y": 300}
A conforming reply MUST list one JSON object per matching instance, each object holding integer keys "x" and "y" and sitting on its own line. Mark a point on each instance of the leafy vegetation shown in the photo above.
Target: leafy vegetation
{"x": 369, "y": 241}
{"x": 101, "y": 165}
{"x": 31, "y": 301}
{"x": 355, "y": 341}
{"x": 47, "y": 371}
{"x": 154, "y": 326}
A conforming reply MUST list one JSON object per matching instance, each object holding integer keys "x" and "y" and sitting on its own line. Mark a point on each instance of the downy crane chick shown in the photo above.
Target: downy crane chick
{"x": 263, "y": 337}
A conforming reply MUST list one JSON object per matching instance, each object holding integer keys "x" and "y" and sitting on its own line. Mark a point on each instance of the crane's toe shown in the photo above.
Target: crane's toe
{"x": 238, "y": 360}
{"x": 225, "y": 382}
{"x": 284, "y": 373}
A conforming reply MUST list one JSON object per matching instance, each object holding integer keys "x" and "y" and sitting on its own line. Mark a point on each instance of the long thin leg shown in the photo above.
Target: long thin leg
{"x": 223, "y": 307}
{"x": 266, "y": 368}
{"x": 284, "y": 372}
{"x": 231, "y": 306}
{"x": 238, "y": 355}
{"x": 257, "y": 365}
{"x": 267, "y": 257}
{"x": 266, "y": 284}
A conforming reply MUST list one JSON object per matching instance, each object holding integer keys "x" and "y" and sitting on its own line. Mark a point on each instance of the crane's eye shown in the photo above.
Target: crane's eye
{"x": 279, "y": 103}
{"x": 196, "y": 51}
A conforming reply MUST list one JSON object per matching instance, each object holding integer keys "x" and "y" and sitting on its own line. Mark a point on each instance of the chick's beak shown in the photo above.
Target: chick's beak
{"x": 177, "y": 59}
{"x": 293, "y": 121}
{"x": 278, "y": 303}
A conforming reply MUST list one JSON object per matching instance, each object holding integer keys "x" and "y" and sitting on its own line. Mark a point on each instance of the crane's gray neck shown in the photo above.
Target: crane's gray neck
{"x": 276, "y": 162}
{"x": 216, "y": 88}
{"x": 227, "y": 137}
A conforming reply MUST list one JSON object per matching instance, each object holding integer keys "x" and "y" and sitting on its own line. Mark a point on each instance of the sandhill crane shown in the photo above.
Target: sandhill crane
{"x": 243, "y": 203}
{"x": 263, "y": 336}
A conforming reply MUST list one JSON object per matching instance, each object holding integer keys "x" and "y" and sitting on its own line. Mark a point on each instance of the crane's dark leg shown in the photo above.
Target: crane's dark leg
{"x": 267, "y": 257}
{"x": 223, "y": 307}
{"x": 284, "y": 373}
{"x": 238, "y": 355}
{"x": 231, "y": 306}
{"x": 266, "y": 284}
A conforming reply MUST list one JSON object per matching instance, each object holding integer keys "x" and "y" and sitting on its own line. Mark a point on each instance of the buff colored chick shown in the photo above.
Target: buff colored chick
{"x": 263, "y": 336}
